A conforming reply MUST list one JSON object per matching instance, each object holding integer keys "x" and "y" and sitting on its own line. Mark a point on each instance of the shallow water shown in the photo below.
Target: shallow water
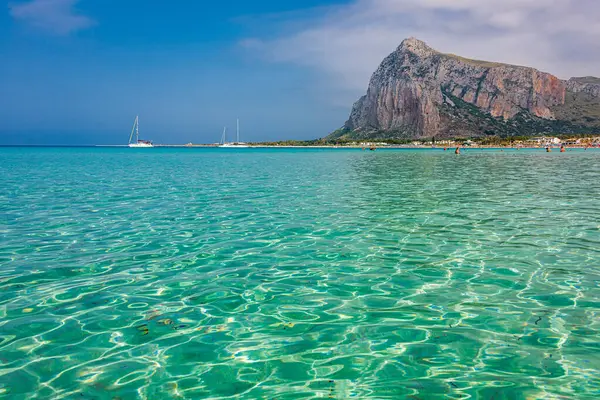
{"x": 293, "y": 274}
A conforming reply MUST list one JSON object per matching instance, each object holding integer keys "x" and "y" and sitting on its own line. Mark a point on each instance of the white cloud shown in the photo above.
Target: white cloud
{"x": 55, "y": 16}
{"x": 348, "y": 42}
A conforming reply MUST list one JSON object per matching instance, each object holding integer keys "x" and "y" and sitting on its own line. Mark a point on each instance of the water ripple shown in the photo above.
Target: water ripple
{"x": 299, "y": 274}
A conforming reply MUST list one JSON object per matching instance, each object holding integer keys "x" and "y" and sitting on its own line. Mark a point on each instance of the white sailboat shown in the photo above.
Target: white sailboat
{"x": 237, "y": 143}
{"x": 138, "y": 142}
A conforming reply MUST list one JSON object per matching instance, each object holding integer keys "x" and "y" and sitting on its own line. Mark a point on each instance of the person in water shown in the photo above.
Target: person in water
{"x": 548, "y": 150}
{"x": 457, "y": 151}
{"x": 562, "y": 149}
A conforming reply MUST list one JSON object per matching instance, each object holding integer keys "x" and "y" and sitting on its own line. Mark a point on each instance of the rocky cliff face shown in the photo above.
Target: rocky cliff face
{"x": 419, "y": 92}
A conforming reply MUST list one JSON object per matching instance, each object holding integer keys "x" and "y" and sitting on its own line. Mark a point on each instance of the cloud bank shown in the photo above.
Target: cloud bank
{"x": 347, "y": 43}
{"x": 54, "y": 16}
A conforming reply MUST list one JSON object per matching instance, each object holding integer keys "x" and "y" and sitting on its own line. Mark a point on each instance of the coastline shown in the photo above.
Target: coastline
{"x": 259, "y": 146}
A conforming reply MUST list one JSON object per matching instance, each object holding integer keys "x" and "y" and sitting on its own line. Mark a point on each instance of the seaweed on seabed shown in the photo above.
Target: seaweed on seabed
{"x": 143, "y": 329}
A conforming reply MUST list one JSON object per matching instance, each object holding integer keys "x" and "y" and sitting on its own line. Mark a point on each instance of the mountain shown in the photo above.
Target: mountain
{"x": 418, "y": 92}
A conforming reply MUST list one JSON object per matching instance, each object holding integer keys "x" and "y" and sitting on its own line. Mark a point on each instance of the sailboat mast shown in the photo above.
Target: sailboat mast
{"x": 238, "y": 131}
{"x": 137, "y": 129}
{"x": 132, "y": 130}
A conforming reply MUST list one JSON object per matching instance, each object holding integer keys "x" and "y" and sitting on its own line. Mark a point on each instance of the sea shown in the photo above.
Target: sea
{"x": 299, "y": 274}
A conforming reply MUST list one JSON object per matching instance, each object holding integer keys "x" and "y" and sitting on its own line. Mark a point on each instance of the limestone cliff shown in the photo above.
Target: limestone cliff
{"x": 419, "y": 92}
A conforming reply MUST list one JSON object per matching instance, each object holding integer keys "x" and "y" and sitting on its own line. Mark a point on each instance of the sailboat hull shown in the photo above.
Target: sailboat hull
{"x": 233, "y": 145}
{"x": 140, "y": 145}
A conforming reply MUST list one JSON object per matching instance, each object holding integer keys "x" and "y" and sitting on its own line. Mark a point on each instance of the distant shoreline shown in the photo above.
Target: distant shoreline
{"x": 259, "y": 146}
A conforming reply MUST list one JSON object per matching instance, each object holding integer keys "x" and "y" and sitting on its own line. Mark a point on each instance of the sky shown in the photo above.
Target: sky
{"x": 79, "y": 71}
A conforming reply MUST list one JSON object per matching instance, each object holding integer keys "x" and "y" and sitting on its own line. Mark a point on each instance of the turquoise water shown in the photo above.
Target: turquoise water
{"x": 294, "y": 274}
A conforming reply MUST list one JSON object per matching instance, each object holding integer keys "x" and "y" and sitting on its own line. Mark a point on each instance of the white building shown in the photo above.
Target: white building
{"x": 545, "y": 141}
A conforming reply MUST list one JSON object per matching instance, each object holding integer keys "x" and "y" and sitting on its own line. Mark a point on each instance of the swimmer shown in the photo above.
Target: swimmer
{"x": 548, "y": 150}
{"x": 562, "y": 149}
{"x": 457, "y": 151}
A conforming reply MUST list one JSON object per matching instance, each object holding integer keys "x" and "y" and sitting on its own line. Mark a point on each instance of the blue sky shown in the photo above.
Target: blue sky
{"x": 78, "y": 71}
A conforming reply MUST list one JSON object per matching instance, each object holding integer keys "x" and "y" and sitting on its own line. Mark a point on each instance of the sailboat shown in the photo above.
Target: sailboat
{"x": 138, "y": 142}
{"x": 237, "y": 143}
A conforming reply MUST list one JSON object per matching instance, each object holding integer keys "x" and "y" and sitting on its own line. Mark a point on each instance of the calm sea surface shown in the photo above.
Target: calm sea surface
{"x": 294, "y": 274}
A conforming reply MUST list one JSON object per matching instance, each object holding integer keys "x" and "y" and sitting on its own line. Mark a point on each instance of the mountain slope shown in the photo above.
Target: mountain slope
{"x": 419, "y": 92}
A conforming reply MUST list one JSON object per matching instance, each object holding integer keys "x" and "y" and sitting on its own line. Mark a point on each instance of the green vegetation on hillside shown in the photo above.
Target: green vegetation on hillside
{"x": 580, "y": 108}
{"x": 587, "y": 79}
{"x": 475, "y": 122}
